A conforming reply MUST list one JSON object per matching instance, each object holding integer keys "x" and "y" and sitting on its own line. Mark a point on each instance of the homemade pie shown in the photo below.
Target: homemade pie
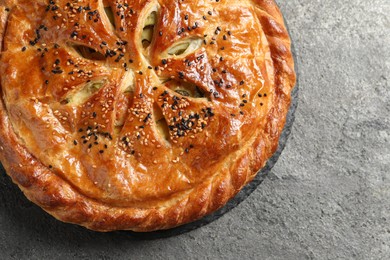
{"x": 140, "y": 115}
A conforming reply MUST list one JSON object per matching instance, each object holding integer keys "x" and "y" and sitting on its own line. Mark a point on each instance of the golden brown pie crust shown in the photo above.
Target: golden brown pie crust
{"x": 179, "y": 107}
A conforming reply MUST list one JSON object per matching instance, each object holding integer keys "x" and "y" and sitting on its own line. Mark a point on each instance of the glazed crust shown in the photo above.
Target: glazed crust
{"x": 145, "y": 150}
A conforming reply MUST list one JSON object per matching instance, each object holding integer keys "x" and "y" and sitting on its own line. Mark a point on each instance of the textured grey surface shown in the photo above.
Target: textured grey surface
{"x": 329, "y": 194}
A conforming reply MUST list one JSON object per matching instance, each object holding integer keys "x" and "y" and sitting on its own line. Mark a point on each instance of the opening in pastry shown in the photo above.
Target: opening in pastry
{"x": 161, "y": 124}
{"x": 148, "y": 29}
{"x": 81, "y": 96}
{"x": 109, "y": 13}
{"x": 88, "y": 53}
{"x": 186, "y": 89}
{"x": 123, "y": 102}
{"x": 125, "y": 99}
{"x": 184, "y": 48}
{"x": 164, "y": 80}
{"x": 127, "y": 85}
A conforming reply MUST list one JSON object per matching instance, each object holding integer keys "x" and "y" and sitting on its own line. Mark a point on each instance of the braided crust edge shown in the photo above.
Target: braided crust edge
{"x": 58, "y": 198}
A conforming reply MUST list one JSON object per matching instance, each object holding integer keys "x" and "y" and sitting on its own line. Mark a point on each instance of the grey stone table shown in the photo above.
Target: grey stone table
{"x": 328, "y": 196}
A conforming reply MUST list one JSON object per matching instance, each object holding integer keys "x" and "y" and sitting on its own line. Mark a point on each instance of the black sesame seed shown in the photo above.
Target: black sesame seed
{"x": 57, "y": 71}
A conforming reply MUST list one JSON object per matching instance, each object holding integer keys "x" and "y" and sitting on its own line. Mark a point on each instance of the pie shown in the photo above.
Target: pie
{"x": 140, "y": 115}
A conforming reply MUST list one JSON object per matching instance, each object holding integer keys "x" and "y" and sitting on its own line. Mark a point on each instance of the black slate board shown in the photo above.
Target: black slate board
{"x": 10, "y": 196}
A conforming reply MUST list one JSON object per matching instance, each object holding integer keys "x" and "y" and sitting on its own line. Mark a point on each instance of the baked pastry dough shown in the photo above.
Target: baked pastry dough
{"x": 140, "y": 115}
